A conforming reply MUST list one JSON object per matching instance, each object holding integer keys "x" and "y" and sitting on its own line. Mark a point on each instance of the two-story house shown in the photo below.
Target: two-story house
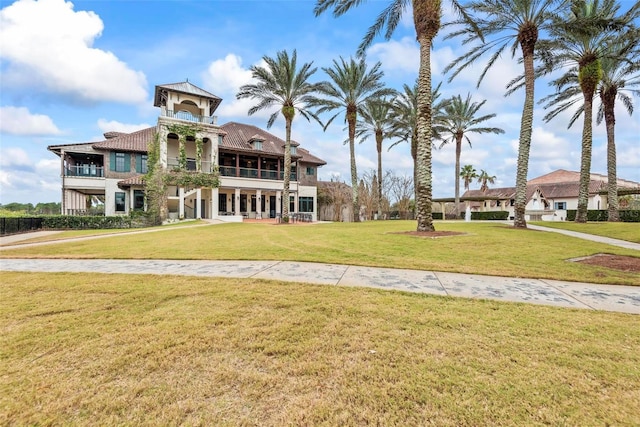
{"x": 249, "y": 160}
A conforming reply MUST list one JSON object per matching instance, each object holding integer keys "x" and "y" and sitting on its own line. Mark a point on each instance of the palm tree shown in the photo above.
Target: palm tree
{"x": 351, "y": 86}
{"x": 581, "y": 39}
{"x": 512, "y": 24}
{"x": 426, "y": 18}
{"x": 404, "y": 114}
{"x": 459, "y": 119}
{"x": 468, "y": 174}
{"x": 376, "y": 121}
{"x": 484, "y": 179}
{"x": 282, "y": 84}
{"x": 619, "y": 75}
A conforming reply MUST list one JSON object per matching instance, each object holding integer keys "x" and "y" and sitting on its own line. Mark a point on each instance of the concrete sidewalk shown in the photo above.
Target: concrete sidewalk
{"x": 600, "y": 239}
{"x": 624, "y": 299}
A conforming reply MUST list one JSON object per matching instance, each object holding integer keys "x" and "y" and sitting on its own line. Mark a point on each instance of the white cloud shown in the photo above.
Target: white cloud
{"x": 403, "y": 55}
{"x": 14, "y": 158}
{"x": 115, "y": 126}
{"x": 48, "y": 46}
{"x": 19, "y": 121}
{"x": 26, "y": 179}
{"x": 224, "y": 77}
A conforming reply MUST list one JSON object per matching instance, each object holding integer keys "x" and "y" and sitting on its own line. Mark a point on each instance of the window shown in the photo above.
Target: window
{"x": 257, "y": 145}
{"x": 293, "y": 150}
{"x": 120, "y": 162}
{"x": 120, "y": 198}
{"x": 138, "y": 199}
{"x": 292, "y": 204}
{"x": 219, "y": 139}
{"x": 305, "y": 204}
{"x": 560, "y": 205}
{"x": 311, "y": 171}
{"x": 141, "y": 163}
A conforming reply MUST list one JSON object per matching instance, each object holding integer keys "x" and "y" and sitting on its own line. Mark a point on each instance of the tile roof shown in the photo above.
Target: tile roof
{"x": 132, "y": 142}
{"x": 188, "y": 88}
{"x": 238, "y": 137}
{"x": 134, "y": 180}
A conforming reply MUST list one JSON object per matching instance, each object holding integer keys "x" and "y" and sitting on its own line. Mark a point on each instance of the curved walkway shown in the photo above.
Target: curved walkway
{"x": 624, "y": 299}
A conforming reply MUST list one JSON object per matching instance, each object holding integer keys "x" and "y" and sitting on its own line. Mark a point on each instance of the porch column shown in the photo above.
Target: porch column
{"x": 443, "y": 209}
{"x": 237, "y": 202}
{"x": 295, "y": 202}
{"x": 214, "y": 203}
{"x": 258, "y": 203}
{"x": 198, "y": 203}
{"x": 181, "y": 200}
{"x": 278, "y": 204}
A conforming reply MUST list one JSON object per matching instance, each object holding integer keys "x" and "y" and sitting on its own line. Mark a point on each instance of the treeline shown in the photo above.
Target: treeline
{"x": 51, "y": 208}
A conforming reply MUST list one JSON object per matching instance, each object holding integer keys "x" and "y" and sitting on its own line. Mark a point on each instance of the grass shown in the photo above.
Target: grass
{"x": 484, "y": 248}
{"x": 616, "y": 230}
{"x": 151, "y": 350}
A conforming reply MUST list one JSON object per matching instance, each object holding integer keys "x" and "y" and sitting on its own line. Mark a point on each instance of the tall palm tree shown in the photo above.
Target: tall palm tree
{"x": 620, "y": 74}
{"x": 351, "y": 86}
{"x": 426, "y": 18}
{"x": 580, "y": 38}
{"x": 468, "y": 174}
{"x": 404, "y": 116}
{"x": 375, "y": 120}
{"x": 282, "y": 84}
{"x": 459, "y": 119}
{"x": 510, "y": 24}
{"x": 484, "y": 179}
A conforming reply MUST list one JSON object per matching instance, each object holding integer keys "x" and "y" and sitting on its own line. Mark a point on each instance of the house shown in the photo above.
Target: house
{"x": 548, "y": 196}
{"x": 249, "y": 161}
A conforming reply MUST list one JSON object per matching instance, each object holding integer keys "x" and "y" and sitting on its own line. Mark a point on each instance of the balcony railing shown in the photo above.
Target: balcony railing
{"x": 253, "y": 173}
{"x": 93, "y": 171}
{"x": 191, "y": 166}
{"x": 187, "y": 116}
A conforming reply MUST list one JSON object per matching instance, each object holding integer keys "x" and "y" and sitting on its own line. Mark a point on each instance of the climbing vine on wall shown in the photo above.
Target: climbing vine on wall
{"x": 154, "y": 185}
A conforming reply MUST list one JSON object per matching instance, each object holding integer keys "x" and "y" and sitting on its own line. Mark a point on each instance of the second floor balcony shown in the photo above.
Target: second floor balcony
{"x": 85, "y": 170}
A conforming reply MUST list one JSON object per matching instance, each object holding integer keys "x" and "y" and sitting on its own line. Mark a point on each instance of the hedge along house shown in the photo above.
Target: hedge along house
{"x": 249, "y": 161}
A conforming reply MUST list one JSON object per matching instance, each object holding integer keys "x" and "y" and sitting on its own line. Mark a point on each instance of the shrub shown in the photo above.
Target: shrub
{"x": 491, "y": 215}
{"x": 603, "y": 215}
{"x": 87, "y": 222}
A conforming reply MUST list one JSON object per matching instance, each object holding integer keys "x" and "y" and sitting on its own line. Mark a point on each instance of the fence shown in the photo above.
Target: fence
{"x": 19, "y": 225}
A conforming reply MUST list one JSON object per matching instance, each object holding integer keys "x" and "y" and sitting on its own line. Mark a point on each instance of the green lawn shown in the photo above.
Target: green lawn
{"x": 484, "y": 248}
{"x": 628, "y": 231}
{"x": 111, "y": 350}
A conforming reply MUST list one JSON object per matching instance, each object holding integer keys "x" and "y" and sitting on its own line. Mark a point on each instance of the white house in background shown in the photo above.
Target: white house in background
{"x": 548, "y": 196}
{"x": 250, "y": 163}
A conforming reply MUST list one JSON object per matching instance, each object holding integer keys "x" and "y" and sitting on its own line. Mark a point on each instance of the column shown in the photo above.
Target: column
{"x": 198, "y": 203}
{"x": 237, "y": 202}
{"x": 214, "y": 203}
{"x": 278, "y": 202}
{"x": 181, "y": 200}
{"x": 258, "y": 203}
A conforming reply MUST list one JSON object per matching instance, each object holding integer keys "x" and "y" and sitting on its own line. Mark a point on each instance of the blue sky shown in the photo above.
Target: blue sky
{"x": 70, "y": 71}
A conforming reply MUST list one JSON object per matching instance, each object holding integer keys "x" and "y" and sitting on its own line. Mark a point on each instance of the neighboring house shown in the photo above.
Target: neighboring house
{"x": 548, "y": 196}
{"x": 249, "y": 160}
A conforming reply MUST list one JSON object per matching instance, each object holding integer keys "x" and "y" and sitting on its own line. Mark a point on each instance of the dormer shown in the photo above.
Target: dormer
{"x": 256, "y": 142}
{"x": 294, "y": 148}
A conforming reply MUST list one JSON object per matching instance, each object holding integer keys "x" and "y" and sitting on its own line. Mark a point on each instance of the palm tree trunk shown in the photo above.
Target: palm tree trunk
{"x": 457, "y": 177}
{"x": 609, "y": 100}
{"x": 526, "y": 126}
{"x": 351, "y": 120}
{"x": 379, "y": 148}
{"x": 585, "y": 162}
{"x": 287, "y": 170}
{"x": 414, "y": 156}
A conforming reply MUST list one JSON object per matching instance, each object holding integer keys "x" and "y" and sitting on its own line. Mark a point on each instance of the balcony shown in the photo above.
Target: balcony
{"x": 92, "y": 171}
{"x": 187, "y": 116}
{"x": 253, "y": 173}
